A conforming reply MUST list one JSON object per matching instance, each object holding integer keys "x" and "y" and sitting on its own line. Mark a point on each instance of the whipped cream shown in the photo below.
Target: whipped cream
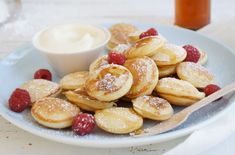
{"x": 71, "y": 38}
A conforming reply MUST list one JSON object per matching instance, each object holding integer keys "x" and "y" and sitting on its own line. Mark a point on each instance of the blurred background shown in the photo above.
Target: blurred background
{"x": 20, "y": 19}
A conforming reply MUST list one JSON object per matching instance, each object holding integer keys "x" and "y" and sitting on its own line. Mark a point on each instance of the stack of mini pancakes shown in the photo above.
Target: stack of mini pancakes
{"x": 153, "y": 78}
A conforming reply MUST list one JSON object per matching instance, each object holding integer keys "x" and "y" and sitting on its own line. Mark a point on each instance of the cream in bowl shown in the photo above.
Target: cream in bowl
{"x": 71, "y": 47}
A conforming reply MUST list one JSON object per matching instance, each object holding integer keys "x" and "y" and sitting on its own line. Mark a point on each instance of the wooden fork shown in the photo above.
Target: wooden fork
{"x": 180, "y": 117}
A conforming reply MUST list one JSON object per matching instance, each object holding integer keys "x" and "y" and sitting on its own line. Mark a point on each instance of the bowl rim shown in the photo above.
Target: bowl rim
{"x": 47, "y": 51}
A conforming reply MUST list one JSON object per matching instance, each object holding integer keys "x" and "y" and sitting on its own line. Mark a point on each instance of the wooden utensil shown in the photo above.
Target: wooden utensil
{"x": 180, "y": 117}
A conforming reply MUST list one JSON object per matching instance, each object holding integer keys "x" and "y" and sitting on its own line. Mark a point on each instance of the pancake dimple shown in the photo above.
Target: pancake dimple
{"x": 118, "y": 120}
{"x": 169, "y": 54}
{"x": 176, "y": 87}
{"x": 99, "y": 62}
{"x": 194, "y": 73}
{"x": 85, "y": 102}
{"x": 54, "y": 112}
{"x": 154, "y": 108}
{"x": 165, "y": 71}
{"x": 109, "y": 82}
{"x": 73, "y": 81}
{"x": 39, "y": 88}
{"x": 144, "y": 47}
{"x": 145, "y": 76}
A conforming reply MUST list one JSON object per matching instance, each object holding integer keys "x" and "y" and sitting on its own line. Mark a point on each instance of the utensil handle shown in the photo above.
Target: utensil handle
{"x": 227, "y": 89}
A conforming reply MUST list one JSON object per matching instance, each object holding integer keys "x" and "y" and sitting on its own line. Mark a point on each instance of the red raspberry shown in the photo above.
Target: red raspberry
{"x": 19, "y": 100}
{"x": 149, "y": 32}
{"x": 116, "y": 58}
{"x": 83, "y": 124}
{"x": 43, "y": 74}
{"x": 193, "y": 54}
{"x": 210, "y": 89}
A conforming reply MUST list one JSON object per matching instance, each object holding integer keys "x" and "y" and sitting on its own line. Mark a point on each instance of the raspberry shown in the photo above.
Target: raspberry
{"x": 43, "y": 74}
{"x": 83, "y": 124}
{"x": 19, "y": 100}
{"x": 116, "y": 58}
{"x": 210, "y": 89}
{"x": 149, "y": 32}
{"x": 193, "y": 54}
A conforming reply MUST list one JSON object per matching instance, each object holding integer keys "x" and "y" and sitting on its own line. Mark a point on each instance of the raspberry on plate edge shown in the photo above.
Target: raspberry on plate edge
{"x": 83, "y": 124}
{"x": 19, "y": 100}
{"x": 193, "y": 55}
{"x": 210, "y": 89}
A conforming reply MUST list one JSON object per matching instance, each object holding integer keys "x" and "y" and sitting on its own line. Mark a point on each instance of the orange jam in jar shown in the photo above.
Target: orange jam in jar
{"x": 192, "y": 14}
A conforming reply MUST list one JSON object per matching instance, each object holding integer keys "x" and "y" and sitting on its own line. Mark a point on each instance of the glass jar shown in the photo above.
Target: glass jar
{"x": 192, "y": 14}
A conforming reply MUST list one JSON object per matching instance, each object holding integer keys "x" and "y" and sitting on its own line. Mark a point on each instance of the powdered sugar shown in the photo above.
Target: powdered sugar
{"x": 111, "y": 82}
{"x": 144, "y": 67}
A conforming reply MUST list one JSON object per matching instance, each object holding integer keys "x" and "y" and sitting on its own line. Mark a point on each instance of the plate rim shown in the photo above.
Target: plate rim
{"x": 128, "y": 142}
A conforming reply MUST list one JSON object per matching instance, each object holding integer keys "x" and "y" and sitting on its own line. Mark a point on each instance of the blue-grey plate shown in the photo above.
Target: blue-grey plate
{"x": 21, "y": 64}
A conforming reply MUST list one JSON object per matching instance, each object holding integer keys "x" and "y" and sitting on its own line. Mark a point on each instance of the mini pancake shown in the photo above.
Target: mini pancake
{"x": 118, "y": 120}
{"x": 73, "y": 81}
{"x": 173, "y": 90}
{"x": 154, "y": 108}
{"x": 54, "y": 112}
{"x": 165, "y": 71}
{"x": 203, "y": 57}
{"x": 120, "y": 48}
{"x": 194, "y": 73}
{"x": 169, "y": 54}
{"x": 145, "y": 76}
{"x": 101, "y": 61}
{"x": 85, "y": 102}
{"x": 147, "y": 46}
{"x": 179, "y": 101}
{"x": 119, "y": 34}
{"x": 39, "y": 88}
{"x": 109, "y": 82}
{"x": 134, "y": 37}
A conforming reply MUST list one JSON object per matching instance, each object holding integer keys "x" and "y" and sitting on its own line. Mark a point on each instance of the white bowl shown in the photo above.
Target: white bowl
{"x": 64, "y": 63}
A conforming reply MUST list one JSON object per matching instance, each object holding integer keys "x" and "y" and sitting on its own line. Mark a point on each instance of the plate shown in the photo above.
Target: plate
{"x": 21, "y": 64}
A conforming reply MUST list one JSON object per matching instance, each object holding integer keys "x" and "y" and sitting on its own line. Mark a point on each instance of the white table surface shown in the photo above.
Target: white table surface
{"x": 40, "y": 13}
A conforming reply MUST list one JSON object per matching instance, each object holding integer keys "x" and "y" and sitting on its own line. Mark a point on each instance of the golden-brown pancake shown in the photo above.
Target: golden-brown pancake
{"x": 147, "y": 46}
{"x": 134, "y": 37}
{"x": 203, "y": 57}
{"x": 39, "y": 88}
{"x": 118, "y": 120}
{"x": 145, "y": 76}
{"x": 119, "y": 34}
{"x": 154, "y": 108}
{"x": 169, "y": 54}
{"x": 54, "y": 112}
{"x": 194, "y": 73}
{"x": 101, "y": 61}
{"x": 172, "y": 88}
{"x": 109, "y": 82}
{"x": 73, "y": 81}
{"x": 120, "y": 48}
{"x": 85, "y": 102}
{"x": 165, "y": 71}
